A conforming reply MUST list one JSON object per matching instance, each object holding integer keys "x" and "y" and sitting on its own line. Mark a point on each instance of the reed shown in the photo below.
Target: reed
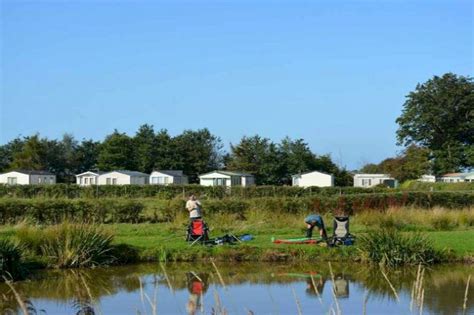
{"x": 391, "y": 248}
{"x": 69, "y": 245}
{"x": 11, "y": 260}
{"x": 464, "y": 306}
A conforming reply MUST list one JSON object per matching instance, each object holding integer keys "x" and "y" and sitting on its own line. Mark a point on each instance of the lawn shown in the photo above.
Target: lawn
{"x": 150, "y": 237}
{"x": 448, "y": 229}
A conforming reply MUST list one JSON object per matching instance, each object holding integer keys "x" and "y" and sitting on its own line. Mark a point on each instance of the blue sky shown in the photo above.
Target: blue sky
{"x": 332, "y": 72}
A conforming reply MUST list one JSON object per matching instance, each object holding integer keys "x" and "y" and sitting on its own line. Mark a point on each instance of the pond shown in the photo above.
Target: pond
{"x": 238, "y": 288}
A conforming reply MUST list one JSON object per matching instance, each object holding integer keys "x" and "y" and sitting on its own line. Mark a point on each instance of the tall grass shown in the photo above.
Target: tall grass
{"x": 69, "y": 245}
{"x": 409, "y": 219}
{"x": 391, "y": 248}
{"x": 11, "y": 260}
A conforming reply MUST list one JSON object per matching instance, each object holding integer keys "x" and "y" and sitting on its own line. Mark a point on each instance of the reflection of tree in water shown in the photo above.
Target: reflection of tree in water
{"x": 444, "y": 285}
{"x": 78, "y": 288}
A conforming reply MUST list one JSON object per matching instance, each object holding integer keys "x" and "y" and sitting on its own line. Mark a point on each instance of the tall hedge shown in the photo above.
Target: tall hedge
{"x": 171, "y": 191}
{"x": 54, "y": 210}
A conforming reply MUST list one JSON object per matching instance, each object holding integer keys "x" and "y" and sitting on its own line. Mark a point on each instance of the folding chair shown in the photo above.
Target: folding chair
{"x": 197, "y": 232}
{"x": 341, "y": 235}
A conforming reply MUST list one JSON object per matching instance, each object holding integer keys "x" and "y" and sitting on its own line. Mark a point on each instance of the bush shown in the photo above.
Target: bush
{"x": 53, "y": 211}
{"x": 71, "y": 191}
{"x": 439, "y": 186}
{"x": 69, "y": 245}
{"x": 392, "y": 248}
{"x": 11, "y": 262}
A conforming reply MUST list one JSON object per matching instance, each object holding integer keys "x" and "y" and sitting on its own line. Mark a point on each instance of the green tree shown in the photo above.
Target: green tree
{"x": 439, "y": 115}
{"x": 167, "y": 155}
{"x": 145, "y": 148}
{"x": 62, "y": 158}
{"x": 8, "y": 151}
{"x": 260, "y": 157}
{"x": 197, "y": 152}
{"x": 117, "y": 152}
{"x": 410, "y": 164}
{"x": 370, "y": 168}
{"x": 87, "y": 154}
{"x": 32, "y": 156}
{"x": 297, "y": 158}
{"x": 415, "y": 162}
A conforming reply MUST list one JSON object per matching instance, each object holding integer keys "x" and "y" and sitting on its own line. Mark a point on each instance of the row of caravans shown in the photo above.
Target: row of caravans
{"x": 215, "y": 178}
{"x": 126, "y": 177}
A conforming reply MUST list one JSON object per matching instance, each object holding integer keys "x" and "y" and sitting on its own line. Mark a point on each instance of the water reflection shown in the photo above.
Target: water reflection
{"x": 197, "y": 287}
{"x": 193, "y": 288}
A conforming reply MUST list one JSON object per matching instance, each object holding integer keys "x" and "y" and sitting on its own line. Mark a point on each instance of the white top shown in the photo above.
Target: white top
{"x": 194, "y": 208}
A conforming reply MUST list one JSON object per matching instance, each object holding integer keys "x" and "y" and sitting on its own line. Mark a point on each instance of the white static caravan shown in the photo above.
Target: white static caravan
{"x": 427, "y": 179}
{"x": 27, "y": 177}
{"x": 167, "y": 177}
{"x": 314, "y": 178}
{"x": 87, "y": 178}
{"x": 123, "y": 177}
{"x": 371, "y": 180}
{"x": 469, "y": 177}
{"x": 457, "y": 177}
{"x": 226, "y": 178}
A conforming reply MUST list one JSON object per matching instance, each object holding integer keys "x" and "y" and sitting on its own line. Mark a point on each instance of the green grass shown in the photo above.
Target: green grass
{"x": 149, "y": 237}
{"x": 448, "y": 229}
{"x": 461, "y": 242}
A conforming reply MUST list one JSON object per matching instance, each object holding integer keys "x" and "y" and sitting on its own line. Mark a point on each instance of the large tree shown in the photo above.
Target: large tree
{"x": 439, "y": 115}
{"x": 145, "y": 148}
{"x": 117, "y": 152}
{"x": 297, "y": 157}
{"x": 260, "y": 157}
{"x": 33, "y": 154}
{"x": 197, "y": 152}
{"x": 87, "y": 154}
{"x": 8, "y": 151}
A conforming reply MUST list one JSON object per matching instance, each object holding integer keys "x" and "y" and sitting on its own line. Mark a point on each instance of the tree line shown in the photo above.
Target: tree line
{"x": 436, "y": 127}
{"x": 193, "y": 151}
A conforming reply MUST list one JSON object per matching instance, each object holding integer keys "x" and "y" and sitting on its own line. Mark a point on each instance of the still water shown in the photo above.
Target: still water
{"x": 232, "y": 288}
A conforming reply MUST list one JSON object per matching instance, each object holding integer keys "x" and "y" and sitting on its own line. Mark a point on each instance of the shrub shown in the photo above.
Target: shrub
{"x": 71, "y": 191}
{"x": 11, "y": 262}
{"x": 53, "y": 211}
{"x": 392, "y": 248}
{"x": 120, "y": 210}
{"x": 69, "y": 245}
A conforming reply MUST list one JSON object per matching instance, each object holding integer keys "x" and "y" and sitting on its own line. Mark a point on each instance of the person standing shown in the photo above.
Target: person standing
{"x": 193, "y": 205}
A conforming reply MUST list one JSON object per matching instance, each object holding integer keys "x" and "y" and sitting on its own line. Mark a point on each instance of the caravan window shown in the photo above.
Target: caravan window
{"x": 219, "y": 182}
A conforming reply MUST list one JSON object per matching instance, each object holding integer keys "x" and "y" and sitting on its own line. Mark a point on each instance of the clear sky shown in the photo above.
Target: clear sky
{"x": 332, "y": 72}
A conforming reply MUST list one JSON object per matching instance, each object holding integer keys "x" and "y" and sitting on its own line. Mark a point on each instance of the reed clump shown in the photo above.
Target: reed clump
{"x": 392, "y": 248}
{"x": 11, "y": 260}
{"x": 69, "y": 245}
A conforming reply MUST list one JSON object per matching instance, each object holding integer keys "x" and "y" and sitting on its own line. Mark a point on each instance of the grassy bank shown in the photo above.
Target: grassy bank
{"x": 449, "y": 232}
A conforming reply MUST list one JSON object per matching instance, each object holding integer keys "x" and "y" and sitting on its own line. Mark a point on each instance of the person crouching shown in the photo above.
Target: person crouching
{"x": 313, "y": 220}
